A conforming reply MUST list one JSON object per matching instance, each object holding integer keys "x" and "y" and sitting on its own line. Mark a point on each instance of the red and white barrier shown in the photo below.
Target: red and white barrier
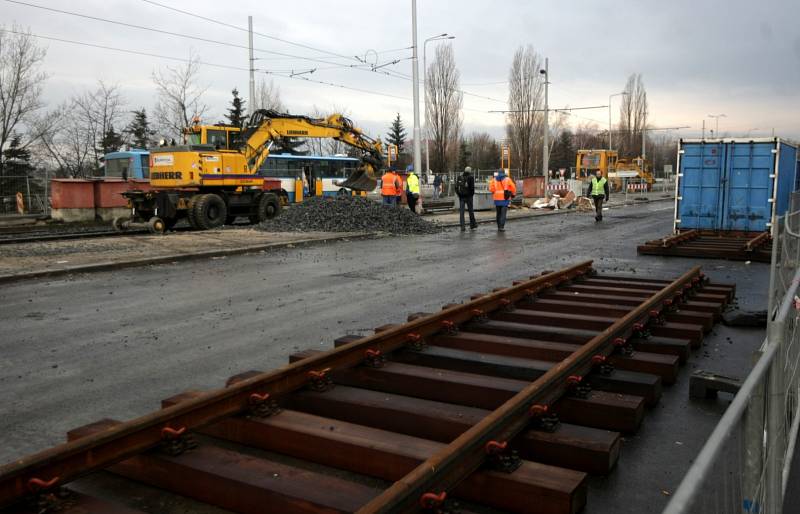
{"x": 559, "y": 189}
{"x": 634, "y": 188}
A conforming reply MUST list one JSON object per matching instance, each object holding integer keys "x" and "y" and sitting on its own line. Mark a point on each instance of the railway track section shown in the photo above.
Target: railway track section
{"x": 736, "y": 246}
{"x": 508, "y": 401}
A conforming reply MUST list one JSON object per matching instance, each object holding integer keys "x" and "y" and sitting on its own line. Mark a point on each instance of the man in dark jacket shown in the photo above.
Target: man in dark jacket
{"x": 598, "y": 191}
{"x": 465, "y": 189}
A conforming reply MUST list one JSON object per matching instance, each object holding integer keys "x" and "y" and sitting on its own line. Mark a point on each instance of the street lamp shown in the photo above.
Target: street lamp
{"x": 546, "y": 139}
{"x": 425, "y": 93}
{"x": 717, "y": 117}
{"x": 621, "y": 93}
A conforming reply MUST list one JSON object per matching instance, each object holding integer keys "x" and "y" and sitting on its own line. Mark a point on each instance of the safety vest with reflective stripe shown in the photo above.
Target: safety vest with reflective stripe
{"x": 599, "y": 186}
{"x": 412, "y": 183}
{"x": 389, "y": 184}
{"x": 498, "y": 188}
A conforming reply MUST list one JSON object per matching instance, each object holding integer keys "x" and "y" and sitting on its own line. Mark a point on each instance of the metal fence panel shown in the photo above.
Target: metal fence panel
{"x": 23, "y": 195}
{"x": 744, "y": 465}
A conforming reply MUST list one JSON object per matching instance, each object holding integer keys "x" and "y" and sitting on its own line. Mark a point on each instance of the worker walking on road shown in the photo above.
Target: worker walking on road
{"x": 412, "y": 188}
{"x": 465, "y": 189}
{"x": 503, "y": 190}
{"x": 391, "y": 185}
{"x": 598, "y": 191}
{"x": 437, "y": 186}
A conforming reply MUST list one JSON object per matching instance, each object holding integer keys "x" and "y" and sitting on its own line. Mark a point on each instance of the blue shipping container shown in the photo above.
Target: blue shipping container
{"x": 733, "y": 184}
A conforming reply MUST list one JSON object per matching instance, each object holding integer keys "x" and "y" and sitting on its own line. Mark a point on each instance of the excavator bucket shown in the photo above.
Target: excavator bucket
{"x": 362, "y": 179}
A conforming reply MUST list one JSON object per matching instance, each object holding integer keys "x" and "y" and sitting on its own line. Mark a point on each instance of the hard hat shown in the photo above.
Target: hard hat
{"x": 468, "y": 169}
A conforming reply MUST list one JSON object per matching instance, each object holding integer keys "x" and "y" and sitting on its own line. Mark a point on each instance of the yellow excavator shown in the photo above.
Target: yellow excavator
{"x": 212, "y": 178}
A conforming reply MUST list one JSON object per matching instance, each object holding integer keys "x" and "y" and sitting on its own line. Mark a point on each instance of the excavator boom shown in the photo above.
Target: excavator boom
{"x": 266, "y": 126}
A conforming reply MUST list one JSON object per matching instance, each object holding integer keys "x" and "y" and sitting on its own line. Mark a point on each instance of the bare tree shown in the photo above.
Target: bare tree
{"x": 96, "y": 112}
{"x": 65, "y": 143}
{"x": 525, "y": 123}
{"x": 268, "y": 96}
{"x": 485, "y": 151}
{"x": 444, "y": 108}
{"x": 20, "y": 83}
{"x": 632, "y": 116}
{"x": 587, "y": 136}
{"x": 179, "y": 97}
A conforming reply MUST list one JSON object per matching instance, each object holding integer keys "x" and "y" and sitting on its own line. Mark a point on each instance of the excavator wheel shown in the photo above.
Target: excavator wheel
{"x": 190, "y": 217}
{"x": 269, "y": 206}
{"x": 210, "y": 211}
{"x": 156, "y": 225}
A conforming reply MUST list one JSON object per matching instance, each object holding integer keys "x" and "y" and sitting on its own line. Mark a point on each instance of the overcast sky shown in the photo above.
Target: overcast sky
{"x": 698, "y": 57}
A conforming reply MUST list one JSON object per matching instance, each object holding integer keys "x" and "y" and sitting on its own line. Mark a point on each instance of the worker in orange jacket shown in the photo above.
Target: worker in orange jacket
{"x": 391, "y": 187}
{"x": 503, "y": 190}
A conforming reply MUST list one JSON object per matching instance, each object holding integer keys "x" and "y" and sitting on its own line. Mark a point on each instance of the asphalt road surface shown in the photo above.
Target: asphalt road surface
{"x": 113, "y": 344}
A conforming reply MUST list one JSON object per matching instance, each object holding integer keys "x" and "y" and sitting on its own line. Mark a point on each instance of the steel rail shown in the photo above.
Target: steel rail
{"x": 451, "y": 465}
{"x": 66, "y": 462}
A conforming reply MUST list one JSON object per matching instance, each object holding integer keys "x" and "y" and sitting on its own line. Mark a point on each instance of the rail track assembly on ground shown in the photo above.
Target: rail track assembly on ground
{"x": 509, "y": 400}
{"x": 736, "y": 246}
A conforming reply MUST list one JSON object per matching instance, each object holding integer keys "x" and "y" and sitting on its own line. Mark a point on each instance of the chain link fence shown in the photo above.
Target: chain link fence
{"x": 21, "y": 194}
{"x": 745, "y": 464}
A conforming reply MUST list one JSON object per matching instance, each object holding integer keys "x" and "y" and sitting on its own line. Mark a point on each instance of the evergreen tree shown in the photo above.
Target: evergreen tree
{"x": 111, "y": 142}
{"x": 236, "y": 114}
{"x": 16, "y": 159}
{"x": 397, "y": 134}
{"x": 563, "y": 154}
{"x": 138, "y": 130}
{"x": 463, "y": 155}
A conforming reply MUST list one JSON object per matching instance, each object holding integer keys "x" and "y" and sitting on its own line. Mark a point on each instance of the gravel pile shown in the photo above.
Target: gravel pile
{"x": 348, "y": 214}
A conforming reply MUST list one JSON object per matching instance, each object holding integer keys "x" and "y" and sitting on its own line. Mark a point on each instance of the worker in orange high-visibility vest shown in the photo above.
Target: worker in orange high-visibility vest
{"x": 391, "y": 187}
{"x": 503, "y": 190}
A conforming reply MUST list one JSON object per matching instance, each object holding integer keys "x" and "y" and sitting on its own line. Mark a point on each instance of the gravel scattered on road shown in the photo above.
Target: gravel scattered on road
{"x": 348, "y": 214}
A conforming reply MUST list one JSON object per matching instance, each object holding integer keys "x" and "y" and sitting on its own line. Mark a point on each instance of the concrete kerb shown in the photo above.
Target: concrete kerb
{"x": 544, "y": 212}
{"x": 163, "y": 259}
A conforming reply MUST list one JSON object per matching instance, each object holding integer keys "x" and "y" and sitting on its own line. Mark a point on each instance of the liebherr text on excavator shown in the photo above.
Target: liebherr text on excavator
{"x": 212, "y": 178}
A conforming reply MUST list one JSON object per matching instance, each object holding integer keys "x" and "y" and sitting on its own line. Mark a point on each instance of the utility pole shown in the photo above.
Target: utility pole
{"x": 546, "y": 149}
{"x": 415, "y": 81}
{"x": 252, "y": 64}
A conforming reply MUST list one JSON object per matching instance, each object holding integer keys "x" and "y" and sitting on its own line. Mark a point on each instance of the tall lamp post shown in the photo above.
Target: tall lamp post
{"x": 717, "y": 117}
{"x": 425, "y": 92}
{"x": 546, "y": 139}
{"x": 621, "y": 93}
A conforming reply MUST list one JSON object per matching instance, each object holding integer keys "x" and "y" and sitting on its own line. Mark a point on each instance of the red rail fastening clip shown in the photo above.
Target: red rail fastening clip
{"x": 638, "y": 327}
{"x": 172, "y": 433}
{"x": 538, "y": 410}
{"x": 574, "y": 380}
{"x": 654, "y": 313}
{"x": 505, "y": 301}
{"x": 431, "y": 500}
{"x": 413, "y": 337}
{"x": 598, "y": 359}
{"x": 668, "y": 302}
{"x": 448, "y": 325}
{"x": 548, "y": 285}
{"x": 37, "y": 484}
{"x": 257, "y": 398}
{"x": 530, "y": 292}
{"x": 619, "y": 342}
{"x": 318, "y": 375}
{"x": 373, "y": 354}
{"x": 478, "y": 313}
{"x": 495, "y": 447}
{"x": 695, "y": 280}
{"x": 687, "y": 286}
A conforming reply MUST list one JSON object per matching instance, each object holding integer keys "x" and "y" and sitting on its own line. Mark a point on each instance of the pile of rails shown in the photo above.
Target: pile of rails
{"x": 509, "y": 400}
{"x": 348, "y": 214}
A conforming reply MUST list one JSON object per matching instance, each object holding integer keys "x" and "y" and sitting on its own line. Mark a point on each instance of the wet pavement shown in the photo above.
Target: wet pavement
{"x": 113, "y": 344}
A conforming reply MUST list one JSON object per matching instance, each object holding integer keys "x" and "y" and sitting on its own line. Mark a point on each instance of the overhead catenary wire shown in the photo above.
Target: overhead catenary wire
{"x": 184, "y": 60}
